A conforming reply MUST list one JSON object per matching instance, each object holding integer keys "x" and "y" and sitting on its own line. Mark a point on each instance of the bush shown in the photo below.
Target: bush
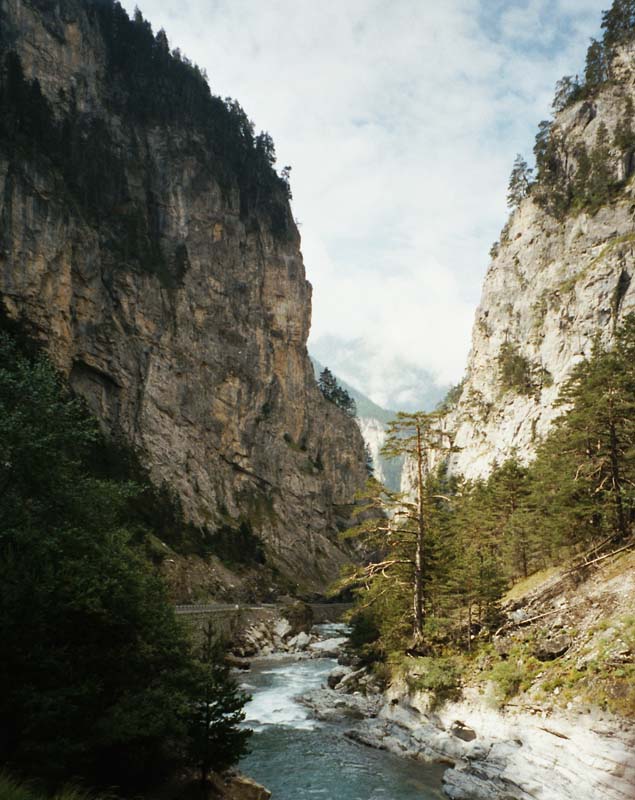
{"x": 514, "y": 675}
{"x": 439, "y": 676}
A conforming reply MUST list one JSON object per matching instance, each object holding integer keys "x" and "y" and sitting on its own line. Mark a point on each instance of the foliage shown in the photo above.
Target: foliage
{"x": 482, "y": 536}
{"x": 515, "y": 369}
{"x": 513, "y": 675}
{"x": 596, "y": 68}
{"x": 438, "y": 676}
{"x": 518, "y": 374}
{"x": 213, "y": 726}
{"x": 567, "y": 91}
{"x": 588, "y": 181}
{"x": 452, "y": 397}
{"x": 519, "y": 182}
{"x": 10, "y": 789}
{"x": 237, "y": 545}
{"x": 402, "y": 534}
{"x": 98, "y": 679}
{"x": 336, "y": 394}
{"x": 618, "y": 24}
{"x": 146, "y": 85}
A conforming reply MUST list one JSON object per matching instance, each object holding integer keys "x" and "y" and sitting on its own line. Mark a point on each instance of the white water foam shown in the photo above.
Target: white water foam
{"x": 275, "y": 702}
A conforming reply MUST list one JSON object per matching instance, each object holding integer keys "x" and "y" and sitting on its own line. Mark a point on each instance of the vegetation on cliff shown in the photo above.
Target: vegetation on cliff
{"x": 570, "y": 178}
{"x": 99, "y": 682}
{"x": 462, "y": 544}
{"x": 336, "y": 394}
{"x": 146, "y": 85}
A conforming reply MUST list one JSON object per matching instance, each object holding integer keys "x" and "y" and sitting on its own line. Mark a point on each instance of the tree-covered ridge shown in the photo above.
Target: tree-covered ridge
{"x": 570, "y": 179}
{"x": 99, "y": 682}
{"x": 146, "y": 85}
{"x": 446, "y": 556}
{"x": 155, "y": 85}
{"x": 336, "y": 394}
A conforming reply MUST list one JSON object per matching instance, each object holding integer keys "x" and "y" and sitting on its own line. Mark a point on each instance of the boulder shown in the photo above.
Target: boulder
{"x": 462, "y": 731}
{"x": 328, "y": 648}
{"x": 335, "y": 677}
{"x": 299, "y": 642}
{"x": 552, "y": 648}
{"x": 237, "y": 787}
{"x": 282, "y": 629}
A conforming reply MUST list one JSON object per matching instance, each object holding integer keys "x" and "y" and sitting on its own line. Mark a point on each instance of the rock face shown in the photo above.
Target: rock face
{"x": 550, "y": 290}
{"x": 374, "y": 433}
{"x": 502, "y": 756}
{"x": 176, "y": 310}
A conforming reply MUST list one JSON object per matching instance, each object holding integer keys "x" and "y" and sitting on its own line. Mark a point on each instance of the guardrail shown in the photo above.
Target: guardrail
{"x": 216, "y": 608}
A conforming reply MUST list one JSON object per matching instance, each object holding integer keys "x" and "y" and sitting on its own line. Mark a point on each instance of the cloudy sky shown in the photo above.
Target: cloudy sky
{"x": 401, "y": 120}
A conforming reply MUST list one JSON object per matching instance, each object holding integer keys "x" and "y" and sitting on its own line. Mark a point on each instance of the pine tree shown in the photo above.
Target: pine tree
{"x": 567, "y": 90}
{"x": 601, "y": 177}
{"x": 596, "y": 69}
{"x": 416, "y": 436}
{"x": 519, "y": 182}
{"x": 593, "y": 446}
{"x": 618, "y": 23}
{"x": 624, "y": 138}
{"x": 216, "y": 741}
{"x": 334, "y": 393}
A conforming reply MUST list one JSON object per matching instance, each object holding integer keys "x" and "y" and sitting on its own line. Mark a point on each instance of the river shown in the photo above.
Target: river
{"x": 298, "y": 758}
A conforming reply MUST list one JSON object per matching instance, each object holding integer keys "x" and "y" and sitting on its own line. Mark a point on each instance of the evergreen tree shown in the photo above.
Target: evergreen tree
{"x": 384, "y": 584}
{"x": 98, "y": 681}
{"x": 567, "y": 90}
{"x": 519, "y": 182}
{"x": 596, "y": 436}
{"x": 334, "y": 393}
{"x": 582, "y": 175}
{"x": 624, "y": 138}
{"x": 415, "y": 436}
{"x": 552, "y": 190}
{"x": 618, "y": 23}
{"x": 601, "y": 178}
{"x": 216, "y": 740}
{"x": 596, "y": 69}
{"x": 327, "y": 384}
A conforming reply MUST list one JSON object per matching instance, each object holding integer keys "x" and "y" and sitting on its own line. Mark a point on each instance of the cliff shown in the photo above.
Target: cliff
{"x": 148, "y": 244}
{"x": 556, "y": 282}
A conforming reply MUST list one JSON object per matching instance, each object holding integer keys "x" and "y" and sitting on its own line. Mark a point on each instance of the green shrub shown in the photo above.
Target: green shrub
{"x": 440, "y": 677}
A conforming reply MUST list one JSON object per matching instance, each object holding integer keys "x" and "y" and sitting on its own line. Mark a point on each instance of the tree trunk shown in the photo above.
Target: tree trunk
{"x": 418, "y": 582}
{"x": 616, "y": 480}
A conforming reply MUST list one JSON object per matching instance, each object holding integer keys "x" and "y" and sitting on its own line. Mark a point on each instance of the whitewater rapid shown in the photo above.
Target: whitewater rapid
{"x": 299, "y": 757}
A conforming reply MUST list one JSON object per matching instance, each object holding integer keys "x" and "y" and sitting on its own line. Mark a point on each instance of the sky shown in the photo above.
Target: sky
{"x": 401, "y": 120}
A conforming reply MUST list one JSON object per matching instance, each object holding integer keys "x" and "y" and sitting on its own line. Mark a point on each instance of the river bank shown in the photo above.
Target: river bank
{"x": 478, "y": 752}
{"x": 496, "y": 755}
{"x": 295, "y": 754}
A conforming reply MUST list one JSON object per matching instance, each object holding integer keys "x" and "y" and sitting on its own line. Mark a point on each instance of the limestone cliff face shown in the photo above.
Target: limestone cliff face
{"x": 550, "y": 290}
{"x": 195, "y": 351}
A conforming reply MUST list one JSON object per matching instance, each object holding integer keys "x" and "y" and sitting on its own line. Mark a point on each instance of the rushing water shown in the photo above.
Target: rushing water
{"x": 297, "y": 757}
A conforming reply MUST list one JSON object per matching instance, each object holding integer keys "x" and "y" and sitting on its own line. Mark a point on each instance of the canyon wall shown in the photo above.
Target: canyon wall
{"x": 168, "y": 291}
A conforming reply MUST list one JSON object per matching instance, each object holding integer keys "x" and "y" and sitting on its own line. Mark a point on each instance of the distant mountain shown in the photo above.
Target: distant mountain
{"x": 396, "y": 383}
{"x": 372, "y": 420}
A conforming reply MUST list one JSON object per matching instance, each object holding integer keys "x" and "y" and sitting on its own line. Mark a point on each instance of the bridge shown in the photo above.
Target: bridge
{"x": 322, "y": 612}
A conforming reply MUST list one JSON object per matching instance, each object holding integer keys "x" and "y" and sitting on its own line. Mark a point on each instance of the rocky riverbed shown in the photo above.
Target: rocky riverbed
{"x": 491, "y": 755}
{"x": 483, "y": 753}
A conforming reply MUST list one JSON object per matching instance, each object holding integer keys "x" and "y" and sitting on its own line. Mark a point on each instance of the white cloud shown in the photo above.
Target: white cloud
{"x": 401, "y": 119}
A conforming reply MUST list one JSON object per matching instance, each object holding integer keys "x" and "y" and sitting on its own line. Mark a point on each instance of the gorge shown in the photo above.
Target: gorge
{"x": 165, "y": 442}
